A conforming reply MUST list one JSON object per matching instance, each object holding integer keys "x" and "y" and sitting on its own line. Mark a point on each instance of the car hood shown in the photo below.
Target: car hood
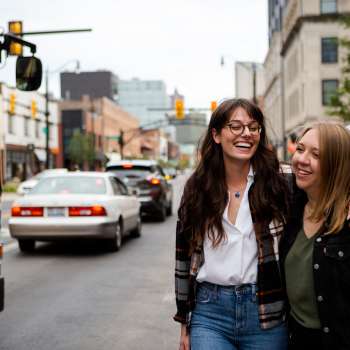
{"x": 29, "y": 183}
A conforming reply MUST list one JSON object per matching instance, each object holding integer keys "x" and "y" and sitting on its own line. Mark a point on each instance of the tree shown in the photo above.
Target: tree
{"x": 81, "y": 149}
{"x": 89, "y": 153}
{"x": 340, "y": 101}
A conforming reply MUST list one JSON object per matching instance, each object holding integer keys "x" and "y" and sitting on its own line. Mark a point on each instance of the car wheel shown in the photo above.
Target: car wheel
{"x": 162, "y": 213}
{"x": 169, "y": 210}
{"x": 26, "y": 245}
{"x": 115, "y": 243}
{"x": 137, "y": 231}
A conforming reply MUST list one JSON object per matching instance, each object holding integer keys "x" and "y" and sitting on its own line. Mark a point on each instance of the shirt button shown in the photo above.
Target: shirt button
{"x": 320, "y": 298}
{"x": 319, "y": 239}
{"x": 326, "y": 329}
{"x": 340, "y": 254}
{"x": 316, "y": 266}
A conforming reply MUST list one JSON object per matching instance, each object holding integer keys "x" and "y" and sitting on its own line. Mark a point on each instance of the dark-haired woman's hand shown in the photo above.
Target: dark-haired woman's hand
{"x": 184, "y": 338}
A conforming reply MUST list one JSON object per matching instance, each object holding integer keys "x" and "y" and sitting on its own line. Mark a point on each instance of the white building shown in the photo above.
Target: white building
{"x": 311, "y": 57}
{"x": 303, "y": 64}
{"x": 23, "y": 132}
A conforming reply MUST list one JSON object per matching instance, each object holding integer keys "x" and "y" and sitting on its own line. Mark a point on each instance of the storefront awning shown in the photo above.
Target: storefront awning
{"x": 40, "y": 154}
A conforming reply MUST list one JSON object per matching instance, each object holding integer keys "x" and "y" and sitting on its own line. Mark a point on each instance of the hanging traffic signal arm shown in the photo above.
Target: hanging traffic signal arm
{"x": 10, "y": 38}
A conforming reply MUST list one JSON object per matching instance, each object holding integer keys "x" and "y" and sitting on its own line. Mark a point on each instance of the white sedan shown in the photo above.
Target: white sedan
{"x": 76, "y": 205}
{"x": 28, "y": 185}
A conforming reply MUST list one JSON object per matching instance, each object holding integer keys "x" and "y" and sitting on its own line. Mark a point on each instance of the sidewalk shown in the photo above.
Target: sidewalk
{"x": 5, "y": 237}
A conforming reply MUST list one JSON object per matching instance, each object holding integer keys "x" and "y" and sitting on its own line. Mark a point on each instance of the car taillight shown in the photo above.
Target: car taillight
{"x": 27, "y": 211}
{"x": 154, "y": 181}
{"x": 95, "y": 210}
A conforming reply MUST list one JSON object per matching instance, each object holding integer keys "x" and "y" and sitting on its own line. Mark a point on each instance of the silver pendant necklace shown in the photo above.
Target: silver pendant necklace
{"x": 237, "y": 194}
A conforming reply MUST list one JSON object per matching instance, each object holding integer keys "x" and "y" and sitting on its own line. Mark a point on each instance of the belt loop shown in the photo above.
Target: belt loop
{"x": 254, "y": 292}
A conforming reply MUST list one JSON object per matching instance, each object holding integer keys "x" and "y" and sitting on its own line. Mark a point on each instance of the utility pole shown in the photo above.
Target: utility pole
{"x": 121, "y": 142}
{"x": 47, "y": 123}
{"x": 254, "y": 83}
{"x": 283, "y": 109}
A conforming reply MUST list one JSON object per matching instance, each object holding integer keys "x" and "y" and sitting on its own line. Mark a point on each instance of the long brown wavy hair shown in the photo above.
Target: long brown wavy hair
{"x": 205, "y": 195}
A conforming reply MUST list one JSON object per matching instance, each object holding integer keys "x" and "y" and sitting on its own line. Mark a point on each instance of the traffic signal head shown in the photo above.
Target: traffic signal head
{"x": 12, "y": 104}
{"x": 34, "y": 109}
{"x": 179, "y": 109}
{"x": 213, "y": 105}
{"x": 16, "y": 28}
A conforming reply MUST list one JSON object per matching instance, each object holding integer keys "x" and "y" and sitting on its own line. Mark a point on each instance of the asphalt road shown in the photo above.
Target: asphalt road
{"x": 78, "y": 296}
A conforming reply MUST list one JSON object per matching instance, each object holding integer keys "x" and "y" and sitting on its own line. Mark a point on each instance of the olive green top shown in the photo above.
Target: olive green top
{"x": 300, "y": 281}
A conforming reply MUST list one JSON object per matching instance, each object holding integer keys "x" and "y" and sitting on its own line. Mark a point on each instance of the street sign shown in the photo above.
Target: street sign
{"x": 116, "y": 138}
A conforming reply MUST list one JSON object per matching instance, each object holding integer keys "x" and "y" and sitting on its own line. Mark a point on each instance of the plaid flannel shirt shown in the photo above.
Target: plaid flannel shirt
{"x": 270, "y": 294}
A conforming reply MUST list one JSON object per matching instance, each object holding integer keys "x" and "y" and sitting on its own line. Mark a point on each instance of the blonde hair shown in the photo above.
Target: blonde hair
{"x": 334, "y": 155}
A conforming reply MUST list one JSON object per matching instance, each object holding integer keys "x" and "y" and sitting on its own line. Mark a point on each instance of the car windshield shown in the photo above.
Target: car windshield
{"x": 131, "y": 174}
{"x": 70, "y": 185}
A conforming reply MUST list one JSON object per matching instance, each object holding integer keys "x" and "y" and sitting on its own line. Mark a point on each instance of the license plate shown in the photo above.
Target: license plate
{"x": 55, "y": 211}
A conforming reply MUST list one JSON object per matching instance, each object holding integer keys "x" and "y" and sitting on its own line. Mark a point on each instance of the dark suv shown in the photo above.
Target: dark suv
{"x": 154, "y": 191}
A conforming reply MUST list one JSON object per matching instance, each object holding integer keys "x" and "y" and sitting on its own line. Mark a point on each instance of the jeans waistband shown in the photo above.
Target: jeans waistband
{"x": 246, "y": 288}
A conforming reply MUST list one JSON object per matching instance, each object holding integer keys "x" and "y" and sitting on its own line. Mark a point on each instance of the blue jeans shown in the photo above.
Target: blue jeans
{"x": 226, "y": 318}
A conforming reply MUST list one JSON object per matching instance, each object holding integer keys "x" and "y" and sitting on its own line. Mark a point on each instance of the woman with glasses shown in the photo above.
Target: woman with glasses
{"x": 229, "y": 290}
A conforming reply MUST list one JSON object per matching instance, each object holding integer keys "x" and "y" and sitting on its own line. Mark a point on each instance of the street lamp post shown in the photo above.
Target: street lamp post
{"x": 47, "y": 123}
{"x": 93, "y": 116}
{"x": 254, "y": 83}
{"x": 47, "y": 107}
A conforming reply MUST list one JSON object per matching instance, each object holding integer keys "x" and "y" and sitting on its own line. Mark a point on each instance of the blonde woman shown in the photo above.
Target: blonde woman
{"x": 315, "y": 250}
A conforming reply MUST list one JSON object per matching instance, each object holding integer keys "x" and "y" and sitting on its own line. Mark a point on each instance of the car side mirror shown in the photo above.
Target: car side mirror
{"x": 28, "y": 73}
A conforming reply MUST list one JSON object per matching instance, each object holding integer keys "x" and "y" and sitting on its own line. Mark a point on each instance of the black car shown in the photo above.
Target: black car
{"x": 149, "y": 181}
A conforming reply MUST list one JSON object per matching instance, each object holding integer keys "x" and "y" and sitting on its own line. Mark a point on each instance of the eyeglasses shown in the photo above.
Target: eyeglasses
{"x": 237, "y": 128}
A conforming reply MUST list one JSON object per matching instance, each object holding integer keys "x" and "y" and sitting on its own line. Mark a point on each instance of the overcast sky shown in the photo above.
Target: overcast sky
{"x": 179, "y": 41}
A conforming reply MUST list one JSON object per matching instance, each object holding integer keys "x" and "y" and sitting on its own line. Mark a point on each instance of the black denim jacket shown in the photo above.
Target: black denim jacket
{"x": 331, "y": 270}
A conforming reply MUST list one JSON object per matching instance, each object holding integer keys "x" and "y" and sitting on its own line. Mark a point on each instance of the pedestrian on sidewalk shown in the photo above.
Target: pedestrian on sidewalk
{"x": 229, "y": 290}
{"x": 315, "y": 249}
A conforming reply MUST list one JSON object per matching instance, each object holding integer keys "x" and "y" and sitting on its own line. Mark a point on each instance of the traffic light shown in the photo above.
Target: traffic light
{"x": 213, "y": 105}
{"x": 179, "y": 109}
{"x": 12, "y": 104}
{"x": 34, "y": 109}
{"x": 16, "y": 28}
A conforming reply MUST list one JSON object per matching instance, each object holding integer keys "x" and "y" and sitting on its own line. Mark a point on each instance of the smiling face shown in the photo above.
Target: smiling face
{"x": 241, "y": 147}
{"x": 306, "y": 163}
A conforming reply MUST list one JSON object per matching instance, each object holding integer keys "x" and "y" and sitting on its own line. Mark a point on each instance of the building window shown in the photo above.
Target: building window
{"x": 26, "y": 126}
{"x": 329, "y": 87}
{"x": 328, "y": 6}
{"x": 329, "y": 50}
{"x": 10, "y": 124}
